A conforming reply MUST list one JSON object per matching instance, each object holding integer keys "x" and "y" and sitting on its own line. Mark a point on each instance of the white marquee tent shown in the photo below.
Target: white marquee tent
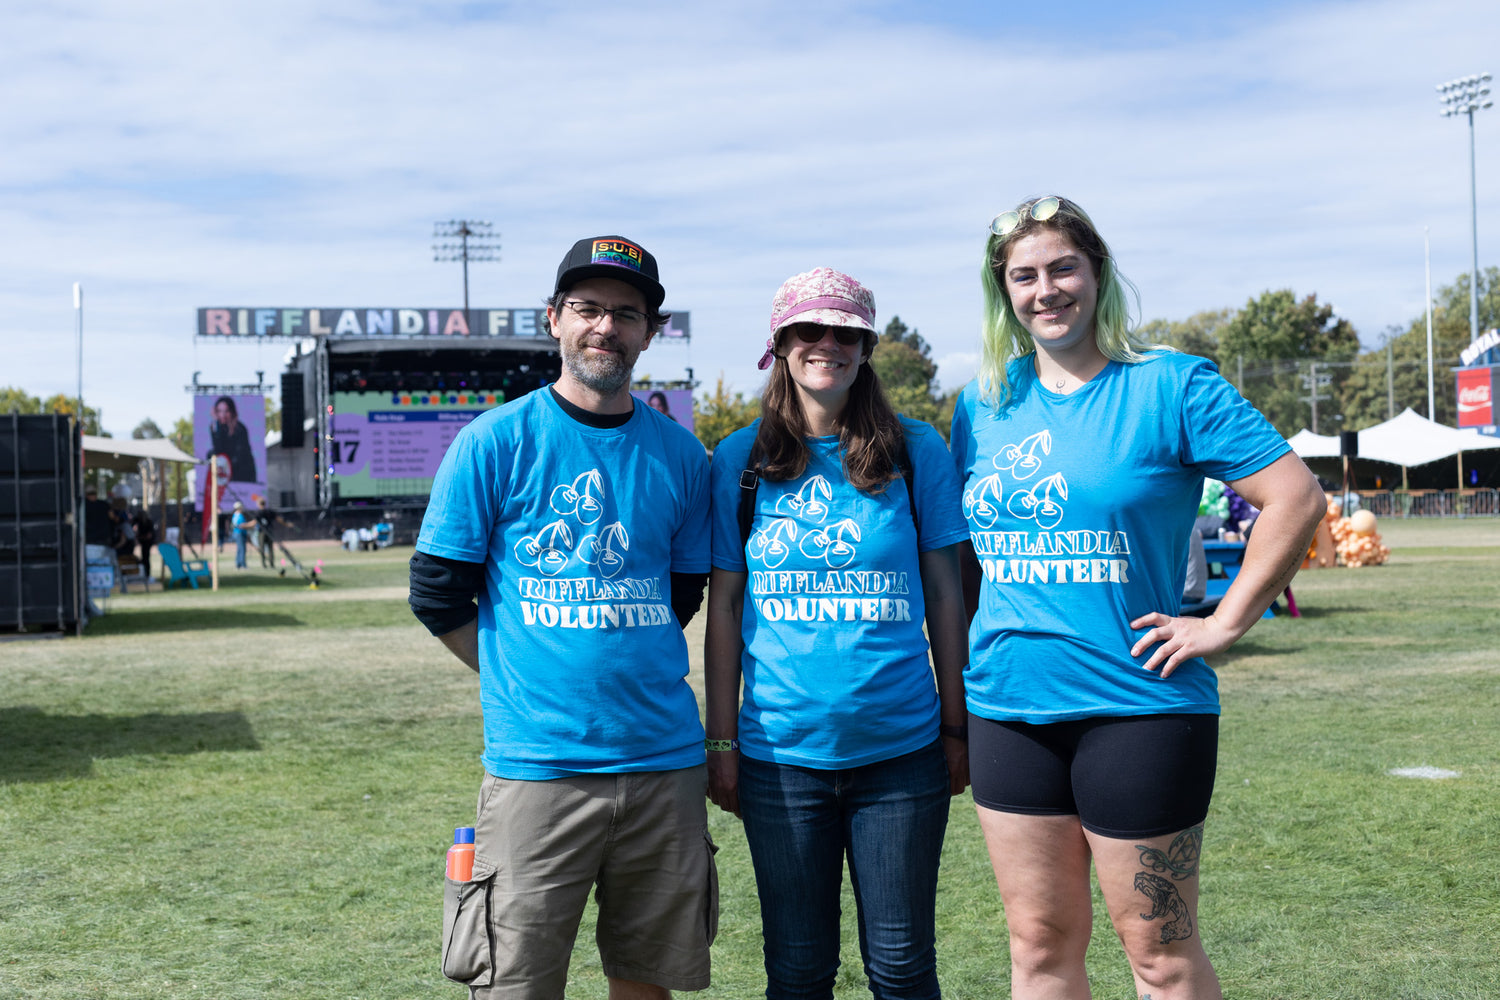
{"x": 1407, "y": 440}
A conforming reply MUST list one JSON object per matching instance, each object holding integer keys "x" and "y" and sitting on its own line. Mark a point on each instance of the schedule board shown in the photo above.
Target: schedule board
{"x": 389, "y": 444}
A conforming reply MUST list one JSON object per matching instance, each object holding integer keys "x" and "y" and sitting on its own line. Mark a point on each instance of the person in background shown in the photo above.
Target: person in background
{"x": 846, "y": 746}
{"x": 658, "y": 402}
{"x": 124, "y": 539}
{"x": 1093, "y": 717}
{"x": 265, "y": 537}
{"x": 581, "y": 522}
{"x": 239, "y": 523}
{"x": 98, "y": 520}
{"x": 145, "y": 535}
{"x": 1195, "y": 579}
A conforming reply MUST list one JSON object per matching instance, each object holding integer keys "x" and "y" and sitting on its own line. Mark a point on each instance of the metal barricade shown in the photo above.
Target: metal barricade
{"x": 1431, "y": 503}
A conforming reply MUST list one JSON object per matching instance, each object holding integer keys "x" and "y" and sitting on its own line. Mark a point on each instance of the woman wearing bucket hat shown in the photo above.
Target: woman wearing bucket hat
{"x": 836, "y": 525}
{"x": 1093, "y": 719}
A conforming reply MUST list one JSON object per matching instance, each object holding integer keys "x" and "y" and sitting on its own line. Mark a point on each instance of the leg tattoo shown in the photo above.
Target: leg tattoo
{"x": 1180, "y": 859}
{"x": 1166, "y": 901}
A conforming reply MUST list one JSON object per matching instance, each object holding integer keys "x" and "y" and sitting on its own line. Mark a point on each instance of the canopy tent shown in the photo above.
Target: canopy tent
{"x": 1309, "y": 445}
{"x": 126, "y": 454}
{"x": 1407, "y": 440}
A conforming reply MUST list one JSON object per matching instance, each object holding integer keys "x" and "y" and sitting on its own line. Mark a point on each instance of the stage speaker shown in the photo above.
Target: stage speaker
{"x": 293, "y": 409}
{"x": 1348, "y": 444}
{"x": 38, "y": 596}
{"x": 39, "y": 567}
{"x": 34, "y": 444}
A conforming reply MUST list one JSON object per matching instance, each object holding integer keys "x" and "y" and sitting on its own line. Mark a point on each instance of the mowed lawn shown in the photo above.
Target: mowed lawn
{"x": 249, "y": 793}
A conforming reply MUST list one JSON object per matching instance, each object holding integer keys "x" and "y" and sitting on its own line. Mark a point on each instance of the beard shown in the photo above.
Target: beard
{"x": 605, "y": 374}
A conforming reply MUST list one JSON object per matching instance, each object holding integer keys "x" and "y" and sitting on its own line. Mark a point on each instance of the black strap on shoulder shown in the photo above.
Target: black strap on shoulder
{"x": 903, "y": 462}
{"x": 749, "y": 486}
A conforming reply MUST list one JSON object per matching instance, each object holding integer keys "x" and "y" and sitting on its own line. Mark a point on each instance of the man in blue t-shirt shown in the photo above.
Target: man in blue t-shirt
{"x": 579, "y": 515}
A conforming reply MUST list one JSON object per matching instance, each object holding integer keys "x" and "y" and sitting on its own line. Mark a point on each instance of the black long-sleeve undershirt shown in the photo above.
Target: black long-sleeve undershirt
{"x": 443, "y": 592}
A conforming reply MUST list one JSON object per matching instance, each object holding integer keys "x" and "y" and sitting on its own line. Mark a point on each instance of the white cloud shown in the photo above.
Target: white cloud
{"x": 179, "y": 155}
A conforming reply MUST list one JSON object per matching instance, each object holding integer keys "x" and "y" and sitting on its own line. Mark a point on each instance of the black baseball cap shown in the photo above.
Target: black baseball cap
{"x": 612, "y": 257}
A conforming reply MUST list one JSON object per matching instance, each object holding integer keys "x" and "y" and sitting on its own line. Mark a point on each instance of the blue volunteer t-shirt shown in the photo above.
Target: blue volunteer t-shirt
{"x": 583, "y": 664}
{"x": 835, "y": 666}
{"x": 1079, "y": 508}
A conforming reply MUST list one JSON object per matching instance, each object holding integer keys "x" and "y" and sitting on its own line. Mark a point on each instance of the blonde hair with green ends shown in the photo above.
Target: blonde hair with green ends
{"x": 1003, "y": 338}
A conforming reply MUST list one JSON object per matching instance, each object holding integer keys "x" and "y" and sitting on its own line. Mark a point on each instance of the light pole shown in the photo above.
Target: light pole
{"x": 475, "y": 242}
{"x": 1465, "y": 96}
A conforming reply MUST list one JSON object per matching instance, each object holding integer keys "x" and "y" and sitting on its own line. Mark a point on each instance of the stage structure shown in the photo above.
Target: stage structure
{"x": 384, "y": 391}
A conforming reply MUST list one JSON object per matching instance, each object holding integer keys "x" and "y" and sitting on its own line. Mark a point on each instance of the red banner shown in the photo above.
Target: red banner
{"x": 1475, "y": 398}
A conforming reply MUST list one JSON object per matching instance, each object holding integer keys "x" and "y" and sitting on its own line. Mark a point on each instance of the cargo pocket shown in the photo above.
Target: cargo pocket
{"x": 468, "y": 938}
{"x": 711, "y": 918}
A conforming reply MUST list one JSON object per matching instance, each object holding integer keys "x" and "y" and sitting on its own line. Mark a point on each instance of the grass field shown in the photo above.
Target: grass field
{"x": 248, "y": 794}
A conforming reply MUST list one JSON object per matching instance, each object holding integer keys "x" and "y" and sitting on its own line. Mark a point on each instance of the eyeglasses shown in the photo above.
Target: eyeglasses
{"x": 592, "y": 312}
{"x": 811, "y": 333}
{"x": 1041, "y": 210}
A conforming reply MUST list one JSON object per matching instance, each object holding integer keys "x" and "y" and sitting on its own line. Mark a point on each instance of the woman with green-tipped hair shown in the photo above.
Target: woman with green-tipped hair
{"x": 1093, "y": 718}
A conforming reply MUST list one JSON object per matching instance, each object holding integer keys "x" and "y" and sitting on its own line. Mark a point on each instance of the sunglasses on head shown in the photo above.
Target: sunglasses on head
{"x": 1041, "y": 210}
{"x": 811, "y": 333}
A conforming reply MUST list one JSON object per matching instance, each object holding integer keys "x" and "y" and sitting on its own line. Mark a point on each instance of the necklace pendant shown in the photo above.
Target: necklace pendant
{"x": 1061, "y": 382}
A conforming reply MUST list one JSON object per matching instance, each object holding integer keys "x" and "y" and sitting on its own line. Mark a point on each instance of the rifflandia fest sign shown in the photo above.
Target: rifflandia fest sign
{"x": 346, "y": 322}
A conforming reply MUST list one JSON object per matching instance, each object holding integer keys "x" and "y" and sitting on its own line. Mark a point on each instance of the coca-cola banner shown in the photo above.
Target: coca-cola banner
{"x": 1476, "y": 395}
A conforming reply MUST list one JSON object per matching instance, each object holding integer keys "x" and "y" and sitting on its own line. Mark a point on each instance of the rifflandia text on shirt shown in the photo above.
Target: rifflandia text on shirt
{"x": 1051, "y": 543}
{"x": 849, "y": 582}
{"x": 588, "y": 588}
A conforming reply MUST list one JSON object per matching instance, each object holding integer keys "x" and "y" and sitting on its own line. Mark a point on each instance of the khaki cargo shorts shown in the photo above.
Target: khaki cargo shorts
{"x": 638, "y": 840}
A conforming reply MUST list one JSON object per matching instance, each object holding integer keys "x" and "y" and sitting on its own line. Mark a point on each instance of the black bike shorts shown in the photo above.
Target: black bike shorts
{"x": 1124, "y": 777}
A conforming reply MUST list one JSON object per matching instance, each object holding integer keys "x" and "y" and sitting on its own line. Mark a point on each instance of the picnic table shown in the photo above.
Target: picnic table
{"x": 1228, "y": 557}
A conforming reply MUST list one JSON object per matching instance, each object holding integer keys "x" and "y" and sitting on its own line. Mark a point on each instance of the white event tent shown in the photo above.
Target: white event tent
{"x": 1408, "y": 439}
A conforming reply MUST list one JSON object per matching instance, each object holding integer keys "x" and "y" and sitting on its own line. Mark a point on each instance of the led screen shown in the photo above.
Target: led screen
{"x": 388, "y": 445}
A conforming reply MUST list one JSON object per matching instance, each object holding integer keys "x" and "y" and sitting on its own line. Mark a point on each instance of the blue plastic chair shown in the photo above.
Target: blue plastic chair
{"x": 182, "y": 571}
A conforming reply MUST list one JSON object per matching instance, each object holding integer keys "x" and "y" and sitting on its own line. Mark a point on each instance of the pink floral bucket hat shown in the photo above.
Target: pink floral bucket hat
{"x": 823, "y": 296}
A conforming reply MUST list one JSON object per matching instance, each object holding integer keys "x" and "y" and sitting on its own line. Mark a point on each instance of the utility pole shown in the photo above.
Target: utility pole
{"x": 1465, "y": 96}
{"x": 475, "y": 241}
{"x": 1312, "y": 382}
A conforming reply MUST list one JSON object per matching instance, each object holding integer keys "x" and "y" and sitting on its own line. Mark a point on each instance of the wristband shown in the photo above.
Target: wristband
{"x": 956, "y": 732}
{"x": 721, "y": 746}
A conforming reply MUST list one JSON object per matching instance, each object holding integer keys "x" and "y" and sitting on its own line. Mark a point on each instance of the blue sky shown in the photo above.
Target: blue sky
{"x": 177, "y": 155}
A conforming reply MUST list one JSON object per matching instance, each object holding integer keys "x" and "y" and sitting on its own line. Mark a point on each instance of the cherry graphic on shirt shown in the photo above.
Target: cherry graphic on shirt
{"x": 834, "y": 549}
{"x": 767, "y": 545}
{"x": 599, "y": 550}
{"x": 579, "y": 498}
{"x": 1020, "y": 459}
{"x": 547, "y": 550}
{"x": 982, "y": 501}
{"x": 1044, "y": 508}
{"x": 808, "y": 502}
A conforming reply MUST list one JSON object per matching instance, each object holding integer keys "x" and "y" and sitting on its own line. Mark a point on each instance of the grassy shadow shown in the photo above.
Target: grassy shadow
{"x": 36, "y": 746}
{"x": 215, "y": 618}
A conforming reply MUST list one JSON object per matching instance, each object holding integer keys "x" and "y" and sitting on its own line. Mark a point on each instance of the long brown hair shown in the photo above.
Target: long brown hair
{"x": 870, "y": 434}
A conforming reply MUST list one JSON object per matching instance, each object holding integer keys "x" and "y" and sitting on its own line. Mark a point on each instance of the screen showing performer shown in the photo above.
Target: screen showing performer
{"x": 230, "y": 431}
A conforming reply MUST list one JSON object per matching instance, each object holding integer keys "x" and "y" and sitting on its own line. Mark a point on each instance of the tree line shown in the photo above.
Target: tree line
{"x": 1287, "y": 355}
{"x": 15, "y": 400}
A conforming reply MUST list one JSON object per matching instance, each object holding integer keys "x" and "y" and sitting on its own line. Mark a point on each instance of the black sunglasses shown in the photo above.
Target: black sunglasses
{"x": 811, "y": 333}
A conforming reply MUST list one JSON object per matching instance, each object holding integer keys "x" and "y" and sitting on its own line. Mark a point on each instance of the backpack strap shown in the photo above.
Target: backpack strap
{"x": 749, "y": 486}
{"x": 903, "y": 462}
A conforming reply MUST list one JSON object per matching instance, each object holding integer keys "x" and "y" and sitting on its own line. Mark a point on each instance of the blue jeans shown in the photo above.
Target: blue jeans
{"x": 239, "y": 549}
{"x": 888, "y": 820}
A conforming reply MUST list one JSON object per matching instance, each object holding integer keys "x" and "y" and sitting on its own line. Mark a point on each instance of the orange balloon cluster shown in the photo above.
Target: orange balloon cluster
{"x": 1355, "y": 538}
